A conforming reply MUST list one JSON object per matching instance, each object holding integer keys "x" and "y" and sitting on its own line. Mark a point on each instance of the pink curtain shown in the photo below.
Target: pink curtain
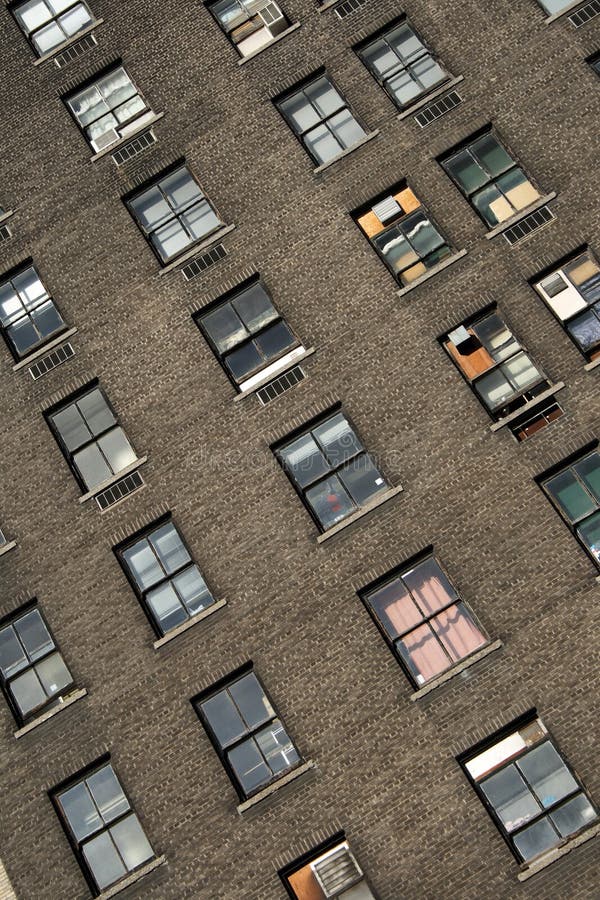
{"x": 458, "y": 632}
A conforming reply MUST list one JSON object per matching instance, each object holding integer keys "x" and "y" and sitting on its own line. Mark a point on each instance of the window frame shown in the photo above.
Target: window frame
{"x": 8, "y": 277}
{"x": 210, "y": 5}
{"x": 328, "y": 846}
{"x": 13, "y": 7}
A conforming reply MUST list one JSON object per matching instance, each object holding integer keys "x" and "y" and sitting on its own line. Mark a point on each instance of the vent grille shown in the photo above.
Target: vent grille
{"x": 4, "y": 233}
{"x": 51, "y": 361}
{"x": 539, "y": 218}
{"x": 75, "y": 51}
{"x": 348, "y": 7}
{"x": 585, "y": 14}
{"x": 117, "y": 492}
{"x": 338, "y": 871}
{"x": 536, "y": 421}
{"x": 204, "y": 262}
{"x": 439, "y": 108}
{"x": 133, "y": 148}
{"x": 279, "y": 386}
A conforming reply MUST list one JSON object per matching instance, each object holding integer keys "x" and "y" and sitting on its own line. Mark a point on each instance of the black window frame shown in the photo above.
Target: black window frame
{"x": 7, "y": 277}
{"x": 210, "y": 5}
{"x": 594, "y": 62}
{"x": 12, "y": 8}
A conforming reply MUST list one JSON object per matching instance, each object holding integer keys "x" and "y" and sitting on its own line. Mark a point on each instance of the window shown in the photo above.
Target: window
{"x": 108, "y": 109}
{"x": 402, "y": 64}
{"x": 247, "y": 733}
{"x": 595, "y": 63}
{"x": 33, "y": 671}
{"x": 49, "y": 23}
{"x": 164, "y": 576}
{"x": 249, "y": 24}
{"x": 248, "y": 336}
{"x": 575, "y": 491}
{"x": 555, "y": 6}
{"x": 495, "y": 364}
{"x": 173, "y": 214}
{"x": 573, "y": 294}
{"x": 93, "y": 442}
{"x": 331, "y": 470}
{"x": 491, "y": 180}
{"x": 424, "y": 621}
{"x": 104, "y": 831}
{"x": 403, "y": 234}
{"x": 319, "y": 117}
{"x": 28, "y": 315}
{"x": 330, "y": 871}
{"x": 532, "y": 795}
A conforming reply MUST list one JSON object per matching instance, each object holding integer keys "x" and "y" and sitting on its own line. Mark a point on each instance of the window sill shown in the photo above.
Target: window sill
{"x": 363, "y": 511}
{"x": 456, "y": 670}
{"x": 275, "y": 40}
{"x": 275, "y": 786}
{"x": 68, "y": 701}
{"x": 72, "y": 40}
{"x": 548, "y": 858}
{"x": 347, "y": 152}
{"x": 132, "y": 878}
{"x": 563, "y": 12}
{"x": 289, "y": 365}
{"x": 196, "y": 249}
{"x": 10, "y": 545}
{"x": 531, "y": 404}
{"x": 327, "y": 5}
{"x": 410, "y": 110}
{"x": 156, "y": 117}
{"x": 589, "y": 367}
{"x": 541, "y": 201}
{"x": 6, "y": 215}
{"x": 450, "y": 260}
{"x": 63, "y": 336}
{"x": 193, "y": 620}
{"x": 109, "y": 481}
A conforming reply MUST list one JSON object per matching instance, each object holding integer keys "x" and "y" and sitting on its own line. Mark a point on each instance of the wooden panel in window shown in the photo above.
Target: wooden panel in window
{"x": 370, "y": 224}
{"x": 305, "y": 885}
{"x": 473, "y": 363}
{"x": 407, "y": 200}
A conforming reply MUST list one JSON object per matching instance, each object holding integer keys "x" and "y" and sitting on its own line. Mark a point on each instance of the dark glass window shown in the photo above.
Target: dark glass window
{"x": 320, "y": 118}
{"x": 575, "y": 491}
{"x": 108, "y": 109}
{"x": 49, "y": 23}
{"x": 491, "y": 180}
{"x": 595, "y": 64}
{"x": 247, "y": 733}
{"x": 105, "y": 833}
{"x": 91, "y": 438}
{"x": 34, "y": 673}
{"x": 572, "y": 292}
{"x": 330, "y": 871}
{"x": 531, "y": 793}
{"x": 29, "y": 316}
{"x": 165, "y": 577}
{"x": 249, "y": 24}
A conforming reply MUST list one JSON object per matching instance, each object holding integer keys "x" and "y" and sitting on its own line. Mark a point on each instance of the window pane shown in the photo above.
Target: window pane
{"x": 429, "y": 586}
{"x": 151, "y": 208}
{"x": 511, "y": 798}
{"x": 554, "y": 6}
{"x": 396, "y": 250}
{"x": 117, "y": 449}
{"x": 590, "y": 535}
{"x": 536, "y": 839}
{"x": 192, "y": 589}
{"x": 575, "y": 814}
{"x": 223, "y": 718}
{"x": 107, "y": 792}
{"x": 494, "y": 389}
{"x": 81, "y": 814}
{"x": 180, "y": 189}
{"x": 324, "y": 96}
{"x": 169, "y": 547}
{"x": 254, "y": 308}
{"x": 75, "y": 20}
{"x": 11, "y": 307}
{"x": 492, "y": 155}
{"x": 201, "y": 219}
{"x": 224, "y": 327}
{"x": 405, "y": 42}
{"x": 496, "y": 337}
{"x": 29, "y": 287}
{"x": 422, "y": 234}
{"x": 249, "y": 766}
{"x": 71, "y": 427}
{"x": 518, "y": 189}
{"x": 104, "y": 861}
{"x": 276, "y": 747}
{"x": 521, "y": 371}
{"x": 584, "y": 272}
{"x": 23, "y": 336}
{"x": 362, "y": 479}
{"x": 492, "y": 205}
{"x": 404, "y": 87}
{"x": 346, "y": 128}
{"x": 275, "y": 340}
{"x": 570, "y": 495}
{"x": 329, "y": 501}
{"x": 467, "y": 173}
{"x": 132, "y": 843}
{"x": 299, "y": 112}
{"x": 588, "y": 470}
{"x": 53, "y": 674}
{"x": 394, "y": 607}
{"x": 337, "y": 439}
{"x": 303, "y": 460}
{"x": 458, "y": 632}
{"x": 28, "y": 692}
{"x": 33, "y": 14}
{"x": 130, "y": 109}
{"x": 34, "y": 635}
{"x": 251, "y": 700}
{"x": 229, "y": 13}
{"x": 47, "y": 38}
{"x": 143, "y": 564}
{"x": 322, "y": 144}
{"x": 166, "y": 607}
{"x": 47, "y": 319}
{"x": 585, "y": 329}
{"x": 422, "y": 654}
{"x": 244, "y": 360}
{"x": 379, "y": 57}
{"x": 12, "y": 657}
{"x": 96, "y": 411}
{"x": 171, "y": 239}
{"x": 428, "y": 72}
{"x": 92, "y": 466}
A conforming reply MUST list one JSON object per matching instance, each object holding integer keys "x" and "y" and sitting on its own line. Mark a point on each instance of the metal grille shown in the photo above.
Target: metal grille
{"x": 204, "y": 262}
{"x": 349, "y": 6}
{"x": 439, "y": 108}
{"x": 337, "y": 872}
{"x": 539, "y": 218}
{"x": 51, "y": 361}
{"x": 585, "y": 14}
{"x": 75, "y": 50}
{"x": 4, "y": 233}
{"x": 533, "y": 423}
{"x": 133, "y": 147}
{"x": 279, "y": 386}
{"x": 118, "y": 491}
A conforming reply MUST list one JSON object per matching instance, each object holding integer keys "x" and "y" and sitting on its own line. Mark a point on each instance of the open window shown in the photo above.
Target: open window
{"x": 329, "y": 872}
{"x": 250, "y": 24}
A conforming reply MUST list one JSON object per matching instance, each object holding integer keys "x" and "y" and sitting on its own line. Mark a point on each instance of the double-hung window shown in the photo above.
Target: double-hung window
{"x": 249, "y": 24}
{"x": 320, "y": 118}
{"x": 173, "y": 213}
{"x": 531, "y": 793}
{"x": 403, "y": 234}
{"x": 331, "y": 470}
{"x": 164, "y": 576}
{"x": 572, "y": 292}
{"x": 248, "y": 335}
{"x": 247, "y": 733}
{"x": 402, "y": 64}
{"x": 33, "y": 672}
{"x": 575, "y": 491}
{"x": 104, "y": 831}
{"x": 330, "y": 872}
{"x": 424, "y": 620}
{"x": 49, "y": 23}
{"x": 29, "y": 316}
{"x": 490, "y": 178}
{"x": 90, "y": 437}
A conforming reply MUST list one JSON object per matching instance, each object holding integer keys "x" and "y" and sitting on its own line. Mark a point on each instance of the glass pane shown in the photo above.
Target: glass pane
{"x": 404, "y": 87}
{"x": 491, "y": 155}
{"x": 299, "y": 112}
{"x": 275, "y": 340}
{"x": 498, "y": 340}
{"x": 103, "y": 860}
{"x": 346, "y": 128}
{"x": 422, "y": 654}
{"x": 23, "y": 336}
{"x": 79, "y": 809}
{"x": 585, "y": 329}
{"x": 394, "y": 607}
{"x": 29, "y": 287}
{"x": 511, "y": 798}
{"x": 192, "y": 588}
{"x": 396, "y": 250}
{"x": 170, "y": 239}
{"x": 575, "y": 814}
{"x": 116, "y": 87}
{"x": 518, "y": 189}
{"x": 337, "y": 439}
{"x": 379, "y": 57}
{"x": 143, "y": 564}
{"x": 57, "y": 6}
{"x": 12, "y": 657}
{"x": 251, "y": 700}
{"x": 322, "y": 144}
{"x": 151, "y": 209}
{"x": 554, "y": 6}
{"x": 428, "y": 72}
{"x": 71, "y": 427}
{"x": 180, "y": 189}
{"x": 466, "y": 172}
{"x": 48, "y": 38}
{"x": 570, "y": 495}
{"x": 88, "y": 105}
{"x": 34, "y": 635}
{"x": 494, "y": 389}
{"x": 200, "y": 219}
{"x": 132, "y": 843}
{"x": 362, "y": 479}
{"x": 243, "y": 361}
{"x": 33, "y": 14}
{"x": 166, "y": 607}
{"x": 492, "y": 205}
{"x": 584, "y": 272}
{"x": 429, "y": 586}
{"x": 117, "y": 449}
{"x": 405, "y": 42}
{"x": 47, "y": 319}
{"x": 521, "y": 372}
{"x": 588, "y": 470}
{"x": 249, "y": 766}
{"x": 422, "y": 234}
{"x": 276, "y": 747}
{"x": 229, "y": 13}
{"x": 223, "y": 718}
{"x": 92, "y": 466}
{"x": 458, "y": 632}
{"x": 303, "y": 460}
{"x": 75, "y": 20}
{"x": 28, "y": 692}
{"x": 254, "y": 307}
{"x": 129, "y": 110}
{"x": 107, "y": 793}
{"x": 589, "y": 533}
{"x": 53, "y": 674}
{"x": 96, "y": 411}
{"x": 224, "y": 327}
{"x": 11, "y": 307}
{"x": 324, "y": 96}
{"x": 169, "y": 547}
{"x": 329, "y": 501}
{"x": 536, "y": 839}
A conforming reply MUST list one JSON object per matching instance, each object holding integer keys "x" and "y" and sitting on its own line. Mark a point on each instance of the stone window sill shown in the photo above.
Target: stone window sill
{"x": 348, "y": 151}
{"x": 563, "y": 12}
{"x": 589, "y": 367}
{"x": 363, "y": 511}
{"x": 132, "y": 878}
{"x": 72, "y": 40}
{"x": 63, "y": 336}
{"x": 4, "y": 548}
{"x": 448, "y": 85}
{"x": 275, "y": 786}
{"x": 68, "y": 701}
{"x": 541, "y": 201}
{"x": 193, "y": 620}
{"x": 109, "y": 481}
{"x": 292, "y": 362}
{"x": 456, "y": 670}
{"x": 531, "y": 404}
{"x": 450, "y": 260}
{"x": 156, "y": 117}
{"x": 275, "y": 40}
{"x": 6, "y": 215}
{"x": 542, "y": 862}
{"x": 196, "y": 249}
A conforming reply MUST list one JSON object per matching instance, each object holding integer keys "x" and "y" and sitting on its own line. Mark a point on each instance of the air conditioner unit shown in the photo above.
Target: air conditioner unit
{"x": 562, "y": 297}
{"x": 459, "y": 336}
{"x": 105, "y": 140}
{"x": 337, "y": 871}
{"x": 273, "y": 18}
{"x": 387, "y": 209}
{"x": 137, "y": 124}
